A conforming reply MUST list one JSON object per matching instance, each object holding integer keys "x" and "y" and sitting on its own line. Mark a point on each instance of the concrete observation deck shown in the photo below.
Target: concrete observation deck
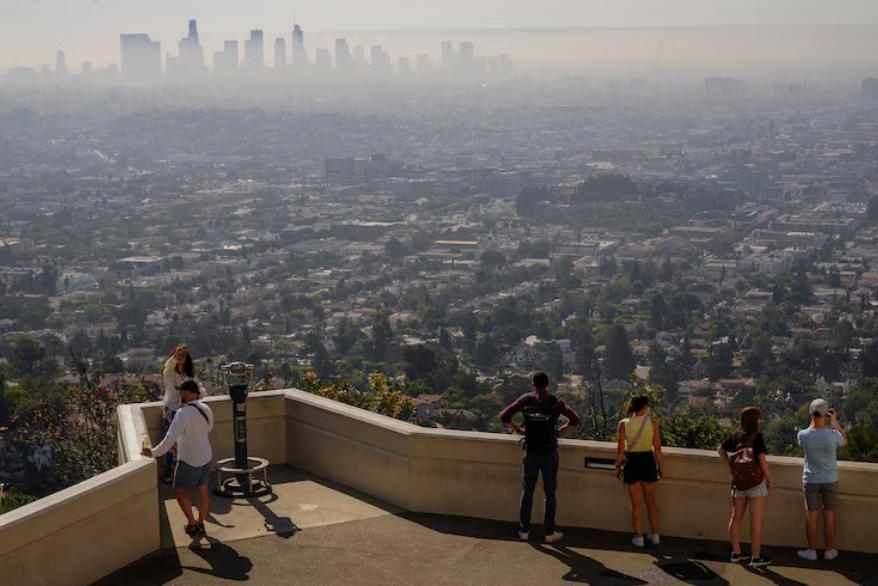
{"x": 363, "y": 499}
{"x": 314, "y": 531}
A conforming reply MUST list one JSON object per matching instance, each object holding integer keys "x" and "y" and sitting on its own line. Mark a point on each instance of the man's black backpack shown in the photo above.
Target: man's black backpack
{"x": 541, "y": 424}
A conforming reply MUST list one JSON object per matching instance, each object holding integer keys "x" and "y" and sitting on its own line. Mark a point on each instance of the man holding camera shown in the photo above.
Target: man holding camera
{"x": 190, "y": 431}
{"x": 820, "y": 476}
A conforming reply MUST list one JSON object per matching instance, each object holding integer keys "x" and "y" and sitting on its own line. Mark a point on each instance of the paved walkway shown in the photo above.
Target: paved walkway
{"x": 319, "y": 533}
{"x": 300, "y": 501}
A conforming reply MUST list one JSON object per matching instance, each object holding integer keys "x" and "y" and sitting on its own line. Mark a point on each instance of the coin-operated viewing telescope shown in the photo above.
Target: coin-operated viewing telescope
{"x": 237, "y": 476}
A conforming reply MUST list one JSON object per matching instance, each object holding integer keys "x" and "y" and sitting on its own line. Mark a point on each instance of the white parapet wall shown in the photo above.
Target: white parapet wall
{"x": 479, "y": 475}
{"x": 111, "y": 520}
{"x": 83, "y": 533}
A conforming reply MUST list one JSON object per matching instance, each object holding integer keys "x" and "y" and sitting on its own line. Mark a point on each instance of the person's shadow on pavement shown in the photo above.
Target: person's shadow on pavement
{"x": 225, "y": 562}
{"x": 585, "y": 569}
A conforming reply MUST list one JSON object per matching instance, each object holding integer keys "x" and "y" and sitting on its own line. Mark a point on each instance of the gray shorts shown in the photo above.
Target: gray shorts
{"x": 186, "y": 476}
{"x": 760, "y": 489}
{"x": 822, "y": 495}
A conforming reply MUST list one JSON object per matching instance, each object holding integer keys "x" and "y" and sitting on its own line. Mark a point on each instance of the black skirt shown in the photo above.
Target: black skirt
{"x": 640, "y": 467}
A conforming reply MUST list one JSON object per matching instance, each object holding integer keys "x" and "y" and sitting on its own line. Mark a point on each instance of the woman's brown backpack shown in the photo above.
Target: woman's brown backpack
{"x": 744, "y": 465}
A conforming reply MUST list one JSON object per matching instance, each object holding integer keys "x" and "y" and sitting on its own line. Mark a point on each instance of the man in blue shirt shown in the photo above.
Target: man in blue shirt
{"x": 820, "y": 476}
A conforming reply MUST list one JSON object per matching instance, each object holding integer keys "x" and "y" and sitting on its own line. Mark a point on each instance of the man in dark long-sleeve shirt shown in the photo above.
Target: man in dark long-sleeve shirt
{"x": 541, "y": 411}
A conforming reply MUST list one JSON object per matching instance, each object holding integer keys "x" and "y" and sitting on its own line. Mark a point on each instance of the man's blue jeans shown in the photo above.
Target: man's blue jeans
{"x": 536, "y": 462}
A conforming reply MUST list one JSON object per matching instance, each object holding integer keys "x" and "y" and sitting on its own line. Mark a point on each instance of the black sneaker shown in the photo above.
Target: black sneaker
{"x": 192, "y": 530}
{"x": 759, "y": 562}
{"x": 736, "y": 557}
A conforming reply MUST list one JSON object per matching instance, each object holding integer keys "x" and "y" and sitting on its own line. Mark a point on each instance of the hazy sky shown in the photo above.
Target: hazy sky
{"x": 32, "y": 30}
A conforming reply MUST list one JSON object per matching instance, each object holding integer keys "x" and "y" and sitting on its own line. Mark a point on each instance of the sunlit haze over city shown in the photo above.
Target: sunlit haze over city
{"x": 447, "y": 292}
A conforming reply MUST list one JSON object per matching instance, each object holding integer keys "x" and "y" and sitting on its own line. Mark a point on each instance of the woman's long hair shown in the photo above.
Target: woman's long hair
{"x": 637, "y": 403}
{"x": 188, "y": 365}
{"x": 750, "y": 417}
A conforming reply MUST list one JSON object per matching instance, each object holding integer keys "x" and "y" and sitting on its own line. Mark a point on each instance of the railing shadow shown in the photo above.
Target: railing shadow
{"x": 161, "y": 567}
{"x": 675, "y": 558}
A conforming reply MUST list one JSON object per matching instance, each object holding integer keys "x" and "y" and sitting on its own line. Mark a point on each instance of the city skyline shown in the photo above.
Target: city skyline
{"x": 143, "y": 60}
{"x": 831, "y": 52}
{"x": 31, "y": 32}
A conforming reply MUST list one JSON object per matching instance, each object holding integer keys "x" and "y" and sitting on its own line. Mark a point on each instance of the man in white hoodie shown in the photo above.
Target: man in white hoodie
{"x": 190, "y": 432}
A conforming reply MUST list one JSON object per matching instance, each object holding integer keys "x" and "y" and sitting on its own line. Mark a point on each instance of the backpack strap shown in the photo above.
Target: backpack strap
{"x": 202, "y": 413}
{"x": 646, "y": 419}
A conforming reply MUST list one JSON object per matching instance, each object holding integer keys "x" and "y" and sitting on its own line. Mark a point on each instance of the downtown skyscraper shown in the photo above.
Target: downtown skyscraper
{"x": 300, "y": 55}
{"x": 280, "y": 54}
{"x": 343, "y": 60}
{"x": 225, "y": 62}
{"x": 254, "y": 53}
{"x": 140, "y": 58}
{"x": 190, "y": 55}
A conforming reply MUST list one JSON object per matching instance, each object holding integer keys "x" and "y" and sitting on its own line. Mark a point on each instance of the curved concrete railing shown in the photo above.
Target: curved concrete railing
{"x": 478, "y": 475}
{"x": 108, "y": 521}
{"x": 82, "y": 533}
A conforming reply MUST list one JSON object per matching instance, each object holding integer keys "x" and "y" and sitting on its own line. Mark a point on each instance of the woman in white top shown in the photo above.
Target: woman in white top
{"x": 639, "y": 439}
{"x": 178, "y": 369}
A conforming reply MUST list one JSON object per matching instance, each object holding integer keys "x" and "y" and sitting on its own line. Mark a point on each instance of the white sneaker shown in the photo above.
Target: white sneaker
{"x": 807, "y": 554}
{"x": 654, "y": 538}
{"x": 553, "y": 537}
{"x": 523, "y": 535}
{"x": 637, "y": 540}
{"x": 830, "y": 554}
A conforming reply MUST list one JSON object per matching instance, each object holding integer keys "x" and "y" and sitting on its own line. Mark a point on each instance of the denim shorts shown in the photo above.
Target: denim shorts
{"x": 186, "y": 476}
{"x": 760, "y": 489}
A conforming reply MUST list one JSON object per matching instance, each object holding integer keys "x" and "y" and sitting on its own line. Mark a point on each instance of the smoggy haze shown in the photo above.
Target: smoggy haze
{"x": 31, "y": 31}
